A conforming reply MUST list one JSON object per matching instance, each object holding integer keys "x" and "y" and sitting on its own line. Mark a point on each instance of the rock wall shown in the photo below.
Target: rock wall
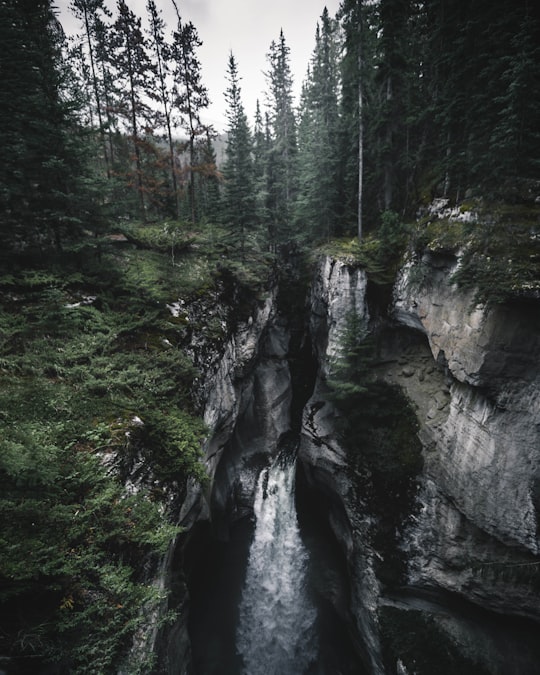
{"x": 338, "y": 290}
{"x": 247, "y": 394}
{"x": 487, "y": 444}
{"x": 471, "y": 374}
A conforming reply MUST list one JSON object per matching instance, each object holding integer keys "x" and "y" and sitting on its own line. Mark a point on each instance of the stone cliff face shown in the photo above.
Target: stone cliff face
{"x": 249, "y": 382}
{"x": 471, "y": 375}
{"x": 337, "y": 291}
{"x": 247, "y": 395}
{"x": 486, "y": 447}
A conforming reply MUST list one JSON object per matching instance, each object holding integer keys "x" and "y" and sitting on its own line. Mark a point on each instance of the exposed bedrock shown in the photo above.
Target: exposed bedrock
{"x": 482, "y": 436}
{"x": 471, "y": 376}
{"x": 247, "y": 393}
{"x": 339, "y": 289}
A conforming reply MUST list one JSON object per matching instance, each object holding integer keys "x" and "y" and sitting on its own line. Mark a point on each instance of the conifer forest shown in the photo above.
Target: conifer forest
{"x": 137, "y": 240}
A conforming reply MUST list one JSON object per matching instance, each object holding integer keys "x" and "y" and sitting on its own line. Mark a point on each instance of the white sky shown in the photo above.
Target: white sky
{"x": 247, "y": 27}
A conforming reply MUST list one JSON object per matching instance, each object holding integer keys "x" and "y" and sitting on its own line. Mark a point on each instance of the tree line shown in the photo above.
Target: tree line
{"x": 403, "y": 100}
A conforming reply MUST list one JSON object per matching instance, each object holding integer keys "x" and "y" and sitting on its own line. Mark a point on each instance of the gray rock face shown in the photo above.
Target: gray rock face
{"x": 338, "y": 290}
{"x": 249, "y": 410}
{"x": 484, "y": 348}
{"x": 488, "y": 447}
{"x": 472, "y": 377}
{"x": 247, "y": 397}
{"x": 474, "y": 383}
{"x": 247, "y": 393}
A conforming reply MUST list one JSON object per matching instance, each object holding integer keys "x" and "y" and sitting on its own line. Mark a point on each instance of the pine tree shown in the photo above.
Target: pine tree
{"x": 515, "y": 137}
{"x": 393, "y": 21}
{"x": 283, "y": 153}
{"x": 261, "y": 150}
{"x": 110, "y": 95}
{"x": 190, "y": 94}
{"x": 135, "y": 71}
{"x": 354, "y": 88}
{"x": 208, "y": 178}
{"x": 317, "y": 206}
{"x": 238, "y": 193}
{"x": 43, "y": 158}
{"x": 88, "y": 11}
{"x": 161, "y": 59}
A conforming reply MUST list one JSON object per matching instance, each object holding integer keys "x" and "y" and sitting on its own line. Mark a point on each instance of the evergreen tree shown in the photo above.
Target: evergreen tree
{"x": 87, "y": 11}
{"x": 208, "y": 178}
{"x": 259, "y": 143}
{"x": 354, "y": 76}
{"x": 261, "y": 151}
{"x": 190, "y": 94}
{"x": 481, "y": 82}
{"x": 281, "y": 171}
{"x": 238, "y": 193}
{"x": 515, "y": 137}
{"x": 135, "y": 71}
{"x": 391, "y": 72}
{"x": 42, "y": 148}
{"x": 106, "y": 80}
{"x": 161, "y": 58}
{"x": 318, "y": 162}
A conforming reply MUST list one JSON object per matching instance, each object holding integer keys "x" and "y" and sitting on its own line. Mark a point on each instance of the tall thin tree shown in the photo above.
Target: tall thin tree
{"x": 283, "y": 153}
{"x": 239, "y": 195}
{"x": 351, "y": 13}
{"x": 134, "y": 66}
{"x": 162, "y": 55}
{"x": 191, "y": 96}
{"x": 87, "y": 11}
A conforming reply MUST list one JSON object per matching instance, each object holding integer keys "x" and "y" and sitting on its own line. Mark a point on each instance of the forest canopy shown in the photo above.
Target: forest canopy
{"x": 429, "y": 99}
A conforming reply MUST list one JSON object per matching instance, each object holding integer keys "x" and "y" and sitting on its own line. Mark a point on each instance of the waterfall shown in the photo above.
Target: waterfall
{"x": 276, "y": 631}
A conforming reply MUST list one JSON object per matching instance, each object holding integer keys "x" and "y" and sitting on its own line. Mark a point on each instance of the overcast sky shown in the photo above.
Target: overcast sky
{"x": 247, "y": 27}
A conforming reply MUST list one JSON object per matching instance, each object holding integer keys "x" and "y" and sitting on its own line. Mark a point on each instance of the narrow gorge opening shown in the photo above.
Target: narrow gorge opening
{"x": 258, "y": 577}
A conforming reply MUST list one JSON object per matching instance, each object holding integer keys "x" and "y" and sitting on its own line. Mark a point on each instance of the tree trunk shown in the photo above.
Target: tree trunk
{"x": 135, "y": 133}
{"x": 96, "y": 93}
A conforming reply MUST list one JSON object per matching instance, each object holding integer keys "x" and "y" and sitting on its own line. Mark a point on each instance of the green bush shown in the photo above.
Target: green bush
{"x": 70, "y": 546}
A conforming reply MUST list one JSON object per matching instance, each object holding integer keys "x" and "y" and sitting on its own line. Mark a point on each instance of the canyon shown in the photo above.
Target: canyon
{"x": 426, "y": 557}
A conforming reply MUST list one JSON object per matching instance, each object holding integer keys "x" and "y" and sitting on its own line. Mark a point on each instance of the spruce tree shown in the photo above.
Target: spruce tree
{"x": 161, "y": 51}
{"x": 282, "y": 160}
{"x": 135, "y": 71}
{"x": 239, "y": 212}
{"x": 190, "y": 94}
{"x": 88, "y": 11}
{"x": 317, "y": 205}
{"x": 43, "y": 156}
{"x": 208, "y": 178}
{"x": 354, "y": 78}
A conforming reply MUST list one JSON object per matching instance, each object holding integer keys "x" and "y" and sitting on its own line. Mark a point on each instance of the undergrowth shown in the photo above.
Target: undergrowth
{"x": 97, "y": 375}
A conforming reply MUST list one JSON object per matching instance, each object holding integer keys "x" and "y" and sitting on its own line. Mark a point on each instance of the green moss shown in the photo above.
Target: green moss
{"x": 441, "y": 235}
{"x": 500, "y": 249}
{"x": 167, "y": 237}
{"x": 500, "y": 262}
{"x": 379, "y": 253}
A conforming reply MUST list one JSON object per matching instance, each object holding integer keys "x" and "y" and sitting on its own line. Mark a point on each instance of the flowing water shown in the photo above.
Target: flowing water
{"x": 276, "y": 631}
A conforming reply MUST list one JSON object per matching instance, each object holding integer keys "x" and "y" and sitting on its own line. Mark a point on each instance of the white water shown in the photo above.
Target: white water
{"x": 276, "y": 632}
